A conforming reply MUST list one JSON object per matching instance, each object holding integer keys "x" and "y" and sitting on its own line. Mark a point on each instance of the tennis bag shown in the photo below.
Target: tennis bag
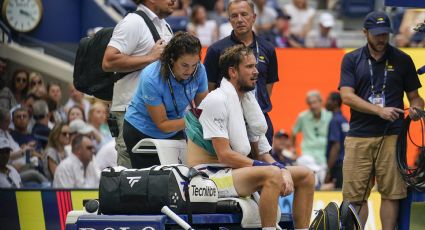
{"x": 333, "y": 217}
{"x": 146, "y": 191}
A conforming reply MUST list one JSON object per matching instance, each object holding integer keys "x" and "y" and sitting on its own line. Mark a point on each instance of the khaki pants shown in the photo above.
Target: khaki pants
{"x": 123, "y": 156}
{"x": 357, "y": 166}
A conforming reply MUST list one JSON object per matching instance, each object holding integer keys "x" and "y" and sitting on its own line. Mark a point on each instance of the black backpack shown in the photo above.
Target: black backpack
{"x": 89, "y": 76}
{"x": 335, "y": 218}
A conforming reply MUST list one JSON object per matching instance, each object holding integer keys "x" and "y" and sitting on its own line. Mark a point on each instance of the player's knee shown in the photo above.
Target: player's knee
{"x": 309, "y": 178}
{"x": 273, "y": 176}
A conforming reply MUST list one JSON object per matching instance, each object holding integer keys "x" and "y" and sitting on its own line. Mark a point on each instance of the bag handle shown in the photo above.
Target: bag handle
{"x": 150, "y": 25}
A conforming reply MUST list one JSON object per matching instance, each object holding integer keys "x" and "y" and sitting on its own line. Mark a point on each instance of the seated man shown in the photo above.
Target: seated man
{"x": 219, "y": 145}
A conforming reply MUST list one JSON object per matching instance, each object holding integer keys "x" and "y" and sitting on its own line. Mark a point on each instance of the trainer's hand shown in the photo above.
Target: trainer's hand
{"x": 157, "y": 49}
{"x": 288, "y": 184}
{"x": 413, "y": 114}
{"x": 390, "y": 113}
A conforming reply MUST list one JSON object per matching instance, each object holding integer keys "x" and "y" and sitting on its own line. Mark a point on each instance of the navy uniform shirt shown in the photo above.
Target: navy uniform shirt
{"x": 338, "y": 128}
{"x": 267, "y": 65}
{"x": 401, "y": 78}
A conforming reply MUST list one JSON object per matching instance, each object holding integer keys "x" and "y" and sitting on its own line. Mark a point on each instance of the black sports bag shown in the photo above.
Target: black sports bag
{"x": 146, "y": 191}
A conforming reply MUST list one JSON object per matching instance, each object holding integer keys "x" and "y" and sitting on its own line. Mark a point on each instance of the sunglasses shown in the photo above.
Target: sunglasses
{"x": 20, "y": 80}
{"x": 36, "y": 82}
{"x": 66, "y": 134}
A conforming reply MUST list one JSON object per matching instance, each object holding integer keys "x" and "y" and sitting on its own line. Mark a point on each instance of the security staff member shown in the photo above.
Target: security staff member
{"x": 242, "y": 18}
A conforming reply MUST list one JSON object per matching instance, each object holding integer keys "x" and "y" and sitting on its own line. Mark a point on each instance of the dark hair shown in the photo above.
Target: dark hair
{"x": 182, "y": 43}
{"x": 336, "y": 97}
{"x": 12, "y": 82}
{"x": 232, "y": 57}
{"x": 76, "y": 107}
{"x": 76, "y": 142}
{"x": 195, "y": 10}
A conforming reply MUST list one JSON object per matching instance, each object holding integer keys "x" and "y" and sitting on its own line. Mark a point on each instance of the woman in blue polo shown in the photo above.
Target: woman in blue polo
{"x": 167, "y": 88}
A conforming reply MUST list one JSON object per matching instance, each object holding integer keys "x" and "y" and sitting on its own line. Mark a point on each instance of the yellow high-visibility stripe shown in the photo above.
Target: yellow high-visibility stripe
{"x": 30, "y": 209}
{"x": 77, "y": 198}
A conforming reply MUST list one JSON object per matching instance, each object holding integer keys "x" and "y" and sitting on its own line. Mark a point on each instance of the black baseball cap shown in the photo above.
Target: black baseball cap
{"x": 281, "y": 133}
{"x": 377, "y": 22}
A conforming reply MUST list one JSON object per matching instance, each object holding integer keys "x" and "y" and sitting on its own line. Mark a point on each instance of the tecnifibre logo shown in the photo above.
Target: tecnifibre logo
{"x": 133, "y": 179}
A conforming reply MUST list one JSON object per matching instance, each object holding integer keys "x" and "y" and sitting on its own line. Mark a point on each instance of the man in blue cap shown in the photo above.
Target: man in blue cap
{"x": 373, "y": 81}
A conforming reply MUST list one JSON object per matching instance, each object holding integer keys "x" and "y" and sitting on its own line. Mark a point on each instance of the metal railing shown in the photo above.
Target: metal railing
{"x": 6, "y": 34}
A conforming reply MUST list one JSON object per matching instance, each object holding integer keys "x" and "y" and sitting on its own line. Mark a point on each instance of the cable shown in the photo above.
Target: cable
{"x": 413, "y": 176}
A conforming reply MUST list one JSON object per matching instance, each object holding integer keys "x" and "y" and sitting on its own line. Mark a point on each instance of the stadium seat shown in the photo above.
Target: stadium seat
{"x": 357, "y": 8}
{"x": 177, "y": 23}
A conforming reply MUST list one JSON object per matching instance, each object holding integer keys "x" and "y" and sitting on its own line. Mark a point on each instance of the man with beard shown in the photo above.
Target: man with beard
{"x": 373, "y": 81}
{"x": 132, "y": 48}
{"x": 219, "y": 144}
{"x": 242, "y": 17}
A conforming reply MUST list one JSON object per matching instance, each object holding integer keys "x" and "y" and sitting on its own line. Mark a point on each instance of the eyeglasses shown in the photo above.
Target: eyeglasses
{"x": 21, "y": 116}
{"x": 20, "y": 80}
{"x": 66, "y": 134}
{"x": 39, "y": 82}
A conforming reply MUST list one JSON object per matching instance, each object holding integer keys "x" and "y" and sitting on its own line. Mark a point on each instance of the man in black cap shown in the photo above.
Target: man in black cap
{"x": 373, "y": 81}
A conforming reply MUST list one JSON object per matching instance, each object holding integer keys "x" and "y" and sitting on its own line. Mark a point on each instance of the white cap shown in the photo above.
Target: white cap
{"x": 80, "y": 127}
{"x": 327, "y": 20}
{"x": 4, "y": 143}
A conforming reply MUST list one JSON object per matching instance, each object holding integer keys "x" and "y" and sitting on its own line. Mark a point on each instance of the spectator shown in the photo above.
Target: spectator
{"x": 266, "y": 17}
{"x": 20, "y": 134}
{"x": 242, "y": 18}
{"x": 131, "y": 49}
{"x": 7, "y": 99}
{"x": 55, "y": 151}
{"x": 166, "y": 88}
{"x": 324, "y": 37}
{"x": 77, "y": 98}
{"x": 54, "y": 92}
{"x": 17, "y": 152}
{"x": 27, "y": 104}
{"x": 282, "y": 150}
{"x": 78, "y": 170}
{"x": 80, "y": 127}
{"x": 19, "y": 85}
{"x": 97, "y": 118}
{"x": 301, "y": 17}
{"x": 37, "y": 85}
{"x": 76, "y": 112}
{"x": 199, "y": 26}
{"x": 313, "y": 124}
{"x": 407, "y": 37}
{"x": 281, "y": 35}
{"x": 181, "y": 8}
{"x": 41, "y": 130}
{"x": 219, "y": 14}
{"x": 338, "y": 128}
{"x": 9, "y": 177}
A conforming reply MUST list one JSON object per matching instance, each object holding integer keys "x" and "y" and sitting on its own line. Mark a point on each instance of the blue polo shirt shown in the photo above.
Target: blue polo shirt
{"x": 338, "y": 128}
{"x": 267, "y": 65}
{"x": 154, "y": 90}
{"x": 401, "y": 78}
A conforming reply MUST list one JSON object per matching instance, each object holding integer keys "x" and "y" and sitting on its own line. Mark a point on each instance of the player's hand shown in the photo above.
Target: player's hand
{"x": 414, "y": 114}
{"x": 390, "y": 113}
{"x": 157, "y": 49}
{"x": 288, "y": 184}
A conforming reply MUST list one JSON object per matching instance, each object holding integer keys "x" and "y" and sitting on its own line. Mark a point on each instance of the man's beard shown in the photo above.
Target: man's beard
{"x": 245, "y": 87}
{"x": 374, "y": 47}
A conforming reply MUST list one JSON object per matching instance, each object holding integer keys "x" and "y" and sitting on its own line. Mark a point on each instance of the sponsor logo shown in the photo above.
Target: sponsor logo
{"x": 133, "y": 179}
{"x": 203, "y": 191}
{"x": 390, "y": 68}
{"x": 380, "y": 21}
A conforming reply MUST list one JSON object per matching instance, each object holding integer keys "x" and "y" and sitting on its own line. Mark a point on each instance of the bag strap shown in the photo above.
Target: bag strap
{"x": 150, "y": 25}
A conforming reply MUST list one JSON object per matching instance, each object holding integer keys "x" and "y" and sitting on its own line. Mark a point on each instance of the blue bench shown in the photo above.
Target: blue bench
{"x": 160, "y": 222}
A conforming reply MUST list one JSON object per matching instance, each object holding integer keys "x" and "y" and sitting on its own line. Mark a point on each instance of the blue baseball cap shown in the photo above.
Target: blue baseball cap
{"x": 377, "y": 23}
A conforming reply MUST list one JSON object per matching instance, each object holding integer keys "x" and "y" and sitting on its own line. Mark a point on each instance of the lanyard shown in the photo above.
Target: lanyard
{"x": 257, "y": 55}
{"x": 174, "y": 98}
{"x": 372, "y": 87}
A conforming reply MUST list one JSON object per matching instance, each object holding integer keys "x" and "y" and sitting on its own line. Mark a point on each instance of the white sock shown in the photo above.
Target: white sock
{"x": 269, "y": 228}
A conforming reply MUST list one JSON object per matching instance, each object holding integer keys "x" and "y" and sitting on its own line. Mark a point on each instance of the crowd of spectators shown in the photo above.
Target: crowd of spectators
{"x": 43, "y": 140}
